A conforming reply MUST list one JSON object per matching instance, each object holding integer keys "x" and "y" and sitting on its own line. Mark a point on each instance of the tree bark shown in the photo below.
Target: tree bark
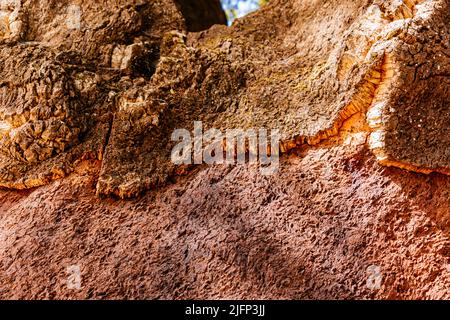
{"x": 90, "y": 95}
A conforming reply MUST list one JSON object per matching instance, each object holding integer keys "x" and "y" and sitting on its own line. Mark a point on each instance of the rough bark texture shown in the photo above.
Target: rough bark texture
{"x": 91, "y": 93}
{"x": 311, "y": 232}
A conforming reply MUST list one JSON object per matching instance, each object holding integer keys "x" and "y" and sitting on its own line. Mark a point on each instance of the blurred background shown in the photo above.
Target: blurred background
{"x": 239, "y": 8}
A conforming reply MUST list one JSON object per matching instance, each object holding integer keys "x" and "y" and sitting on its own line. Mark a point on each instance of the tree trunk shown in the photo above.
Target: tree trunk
{"x": 91, "y": 94}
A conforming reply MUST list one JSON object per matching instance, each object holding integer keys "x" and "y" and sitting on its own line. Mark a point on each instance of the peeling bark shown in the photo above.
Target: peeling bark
{"x": 368, "y": 57}
{"x": 91, "y": 92}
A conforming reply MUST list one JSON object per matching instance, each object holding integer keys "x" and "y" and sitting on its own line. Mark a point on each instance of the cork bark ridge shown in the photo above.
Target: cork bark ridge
{"x": 112, "y": 83}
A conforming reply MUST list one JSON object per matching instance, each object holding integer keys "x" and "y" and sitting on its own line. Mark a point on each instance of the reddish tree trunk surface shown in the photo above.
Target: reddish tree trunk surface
{"x": 90, "y": 94}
